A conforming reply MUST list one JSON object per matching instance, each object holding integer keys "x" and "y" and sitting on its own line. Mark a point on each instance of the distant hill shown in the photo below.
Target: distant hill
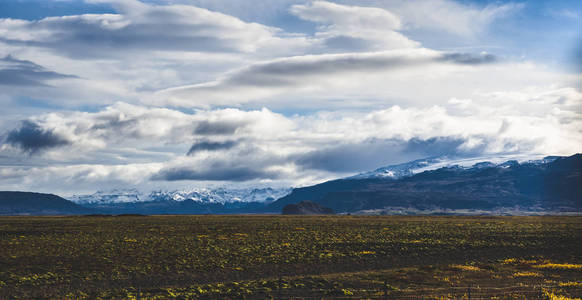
{"x": 306, "y": 208}
{"x": 27, "y": 203}
{"x": 552, "y": 184}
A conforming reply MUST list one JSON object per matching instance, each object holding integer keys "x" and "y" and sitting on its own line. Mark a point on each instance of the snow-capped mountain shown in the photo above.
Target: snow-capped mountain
{"x": 221, "y": 195}
{"x": 432, "y": 163}
{"x": 399, "y": 170}
{"x": 519, "y": 184}
{"x": 113, "y": 196}
{"x": 201, "y": 195}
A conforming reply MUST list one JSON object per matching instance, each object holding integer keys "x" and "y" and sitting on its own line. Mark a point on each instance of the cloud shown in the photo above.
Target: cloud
{"x": 372, "y": 153}
{"x": 83, "y": 178}
{"x": 217, "y": 172}
{"x": 200, "y": 58}
{"x": 217, "y": 128}
{"x": 462, "y": 20}
{"x": 565, "y": 13}
{"x": 576, "y": 59}
{"x": 503, "y": 115}
{"x": 354, "y": 28}
{"x": 15, "y": 72}
{"x": 304, "y": 73}
{"x": 211, "y": 146}
{"x": 249, "y": 162}
{"x": 140, "y": 28}
{"x": 127, "y": 144}
{"x": 469, "y": 59}
{"x": 331, "y": 14}
{"x": 31, "y": 138}
{"x": 132, "y": 130}
{"x": 369, "y": 154}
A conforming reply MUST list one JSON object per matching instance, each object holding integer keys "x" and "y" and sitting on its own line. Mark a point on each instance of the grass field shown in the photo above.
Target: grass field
{"x": 167, "y": 257}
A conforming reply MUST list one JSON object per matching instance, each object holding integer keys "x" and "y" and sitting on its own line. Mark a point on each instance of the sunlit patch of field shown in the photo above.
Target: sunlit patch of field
{"x": 564, "y": 266}
{"x": 262, "y": 257}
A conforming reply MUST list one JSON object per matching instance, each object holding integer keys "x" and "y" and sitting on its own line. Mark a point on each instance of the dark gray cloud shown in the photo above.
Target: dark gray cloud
{"x": 371, "y": 154}
{"x": 96, "y": 42}
{"x": 115, "y": 123}
{"x": 211, "y": 146}
{"x": 290, "y": 70}
{"x": 241, "y": 164}
{"x": 31, "y": 138}
{"x": 329, "y": 64}
{"x": 217, "y": 128}
{"x": 435, "y": 146}
{"x": 469, "y": 58}
{"x": 17, "y": 72}
{"x": 220, "y": 171}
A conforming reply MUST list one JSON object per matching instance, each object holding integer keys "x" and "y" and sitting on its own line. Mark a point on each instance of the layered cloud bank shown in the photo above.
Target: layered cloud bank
{"x": 169, "y": 95}
{"x": 132, "y": 144}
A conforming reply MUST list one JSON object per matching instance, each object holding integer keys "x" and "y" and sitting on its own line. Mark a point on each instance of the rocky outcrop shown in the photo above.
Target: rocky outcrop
{"x": 306, "y": 208}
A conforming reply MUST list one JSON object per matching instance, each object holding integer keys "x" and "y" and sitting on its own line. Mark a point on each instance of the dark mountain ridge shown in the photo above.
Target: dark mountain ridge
{"x": 28, "y": 203}
{"x": 554, "y": 184}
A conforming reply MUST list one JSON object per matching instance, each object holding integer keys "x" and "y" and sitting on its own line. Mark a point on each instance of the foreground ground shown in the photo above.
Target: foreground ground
{"x": 166, "y": 257}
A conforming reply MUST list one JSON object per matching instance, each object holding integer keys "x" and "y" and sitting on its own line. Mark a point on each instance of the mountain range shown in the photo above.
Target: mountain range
{"x": 203, "y": 195}
{"x": 551, "y": 184}
{"x": 192, "y": 201}
{"x": 431, "y": 185}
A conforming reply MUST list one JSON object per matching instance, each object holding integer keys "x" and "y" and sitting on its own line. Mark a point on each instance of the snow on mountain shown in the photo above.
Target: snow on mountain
{"x": 221, "y": 195}
{"x": 433, "y": 163}
{"x": 202, "y": 195}
{"x": 398, "y": 171}
{"x": 113, "y": 196}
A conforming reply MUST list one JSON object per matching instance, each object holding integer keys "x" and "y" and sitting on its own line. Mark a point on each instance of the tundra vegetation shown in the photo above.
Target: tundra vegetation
{"x": 169, "y": 257}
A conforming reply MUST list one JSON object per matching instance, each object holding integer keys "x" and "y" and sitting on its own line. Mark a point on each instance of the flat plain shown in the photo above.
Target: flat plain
{"x": 284, "y": 257}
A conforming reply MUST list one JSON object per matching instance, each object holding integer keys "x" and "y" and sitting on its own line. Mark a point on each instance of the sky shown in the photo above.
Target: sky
{"x": 170, "y": 94}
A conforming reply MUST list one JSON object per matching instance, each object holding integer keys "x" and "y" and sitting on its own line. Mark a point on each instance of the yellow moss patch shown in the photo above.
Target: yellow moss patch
{"x": 526, "y": 274}
{"x": 559, "y": 266}
{"x": 466, "y": 268}
{"x": 553, "y": 296}
{"x": 514, "y": 261}
{"x": 531, "y": 261}
{"x": 509, "y": 261}
{"x": 571, "y": 283}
